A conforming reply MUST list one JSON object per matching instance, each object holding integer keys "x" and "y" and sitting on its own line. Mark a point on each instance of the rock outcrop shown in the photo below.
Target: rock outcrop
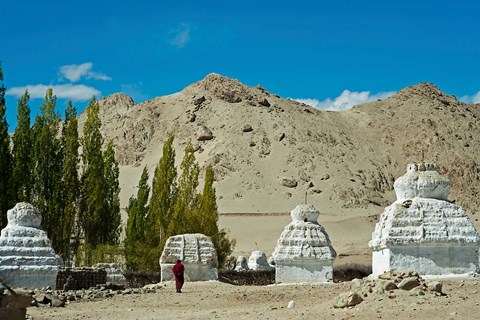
{"x": 197, "y": 254}
{"x": 422, "y": 230}
{"x": 27, "y": 259}
{"x": 304, "y": 252}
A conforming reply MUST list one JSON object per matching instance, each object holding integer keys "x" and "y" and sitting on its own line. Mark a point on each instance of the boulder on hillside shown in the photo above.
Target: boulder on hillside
{"x": 289, "y": 182}
{"x": 247, "y": 128}
{"x": 203, "y": 133}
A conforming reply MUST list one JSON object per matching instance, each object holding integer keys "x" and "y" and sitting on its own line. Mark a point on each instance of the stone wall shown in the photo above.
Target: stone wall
{"x": 248, "y": 278}
{"x": 80, "y": 278}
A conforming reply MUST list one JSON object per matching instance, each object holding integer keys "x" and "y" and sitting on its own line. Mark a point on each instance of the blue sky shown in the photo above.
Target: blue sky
{"x": 334, "y": 53}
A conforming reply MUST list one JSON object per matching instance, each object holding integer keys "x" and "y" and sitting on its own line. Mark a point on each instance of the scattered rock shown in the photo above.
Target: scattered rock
{"x": 289, "y": 182}
{"x": 291, "y": 304}
{"x": 247, "y": 128}
{"x": 199, "y": 101}
{"x": 203, "y": 133}
{"x": 192, "y": 118}
{"x": 264, "y": 102}
{"x": 325, "y": 177}
{"x": 409, "y": 283}
{"x": 279, "y": 137}
{"x": 356, "y": 284}
{"x": 252, "y": 144}
{"x": 435, "y": 286}
{"x": 347, "y": 299}
{"x": 390, "y": 285}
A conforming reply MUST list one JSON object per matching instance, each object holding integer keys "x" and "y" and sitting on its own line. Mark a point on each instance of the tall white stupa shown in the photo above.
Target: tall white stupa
{"x": 304, "y": 252}
{"x": 422, "y": 231}
{"x": 27, "y": 259}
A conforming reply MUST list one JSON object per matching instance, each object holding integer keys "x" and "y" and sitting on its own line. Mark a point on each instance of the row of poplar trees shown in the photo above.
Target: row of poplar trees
{"x": 80, "y": 208}
{"x": 174, "y": 208}
{"x": 78, "y": 195}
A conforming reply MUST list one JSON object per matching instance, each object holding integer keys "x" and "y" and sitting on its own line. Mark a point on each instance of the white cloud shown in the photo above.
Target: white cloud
{"x": 181, "y": 36}
{"x": 75, "y": 72}
{"x": 134, "y": 90}
{"x": 471, "y": 99}
{"x": 346, "y": 100}
{"x": 74, "y": 92}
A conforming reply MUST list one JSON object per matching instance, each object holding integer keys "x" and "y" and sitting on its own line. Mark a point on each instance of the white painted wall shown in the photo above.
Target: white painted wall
{"x": 427, "y": 260}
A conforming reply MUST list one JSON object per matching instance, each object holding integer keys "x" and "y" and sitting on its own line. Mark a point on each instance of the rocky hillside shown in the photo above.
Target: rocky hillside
{"x": 269, "y": 153}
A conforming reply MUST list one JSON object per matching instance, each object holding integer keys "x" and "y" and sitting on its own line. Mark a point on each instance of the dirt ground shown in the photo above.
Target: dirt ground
{"x": 216, "y": 300}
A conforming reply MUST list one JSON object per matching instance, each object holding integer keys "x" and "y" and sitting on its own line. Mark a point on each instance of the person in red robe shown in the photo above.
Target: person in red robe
{"x": 178, "y": 270}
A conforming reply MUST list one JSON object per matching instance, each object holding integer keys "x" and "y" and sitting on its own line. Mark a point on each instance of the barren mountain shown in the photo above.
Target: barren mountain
{"x": 269, "y": 153}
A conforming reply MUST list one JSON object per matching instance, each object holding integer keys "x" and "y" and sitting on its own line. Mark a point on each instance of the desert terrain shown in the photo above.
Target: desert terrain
{"x": 344, "y": 163}
{"x": 216, "y": 300}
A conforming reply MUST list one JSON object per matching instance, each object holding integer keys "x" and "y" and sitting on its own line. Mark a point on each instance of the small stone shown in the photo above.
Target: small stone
{"x": 390, "y": 285}
{"x": 247, "y": 128}
{"x": 289, "y": 182}
{"x": 408, "y": 283}
{"x": 347, "y": 299}
{"x": 199, "y": 101}
{"x": 280, "y": 136}
{"x": 264, "y": 102}
{"x": 435, "y": 286}
{"x": 356, "y": 284}
{"x": 291, "y": 304}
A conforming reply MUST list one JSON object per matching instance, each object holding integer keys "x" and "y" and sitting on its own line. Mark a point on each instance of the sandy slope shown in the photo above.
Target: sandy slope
{"x": 215, "y": 300}
{"x": 344, "y": 162}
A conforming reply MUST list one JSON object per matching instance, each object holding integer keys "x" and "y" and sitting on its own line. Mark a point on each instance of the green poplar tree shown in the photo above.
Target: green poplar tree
{"x": 48, "y": 189}
{"x": 111, "y": 219}
{"x": 185, "y": 217}
{"x": 6, "y": 198}
{"x": 93, "y": 187}
{"x": 72, "y": 184}
{"x": 22, "y": 151}
{"x": 208, "y": 213}
{"x": 135, "y": 249}
{"x": 160, "y": 210}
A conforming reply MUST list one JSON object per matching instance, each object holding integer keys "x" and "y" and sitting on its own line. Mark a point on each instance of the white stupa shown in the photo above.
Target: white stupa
{"x": 27, "y": 259}
{"x": 422, "y": 231}
{"x": 197, "y": 254}
{"x": 304, "y": 252}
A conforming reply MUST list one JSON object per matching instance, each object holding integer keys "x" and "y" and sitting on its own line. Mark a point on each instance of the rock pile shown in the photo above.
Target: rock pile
{"x": 58, "y": 298}
{"x": 387, "y": 284}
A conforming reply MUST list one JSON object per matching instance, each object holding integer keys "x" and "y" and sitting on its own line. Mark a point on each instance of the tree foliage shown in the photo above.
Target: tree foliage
{"x": 6, "y": 197}
{"x": 71, "y": 182}
{"x": 208, "y": 213}
{"x": 100, "y": 189}
{"x": 185, "y": 217}
{"x": 135, "y": 233}
{"x": 111, "y": 219}
{"x": 23, "y": 151}
{"x": 160, "y": 210}
{"x": 48, "y": 163}
{"x": 93, "y": 188}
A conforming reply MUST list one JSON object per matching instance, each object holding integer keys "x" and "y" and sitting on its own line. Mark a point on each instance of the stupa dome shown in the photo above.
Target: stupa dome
{"x": 422, "y": 180}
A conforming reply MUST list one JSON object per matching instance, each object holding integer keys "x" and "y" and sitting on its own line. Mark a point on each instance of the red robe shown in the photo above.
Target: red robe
{"x": 178, "y": 270}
